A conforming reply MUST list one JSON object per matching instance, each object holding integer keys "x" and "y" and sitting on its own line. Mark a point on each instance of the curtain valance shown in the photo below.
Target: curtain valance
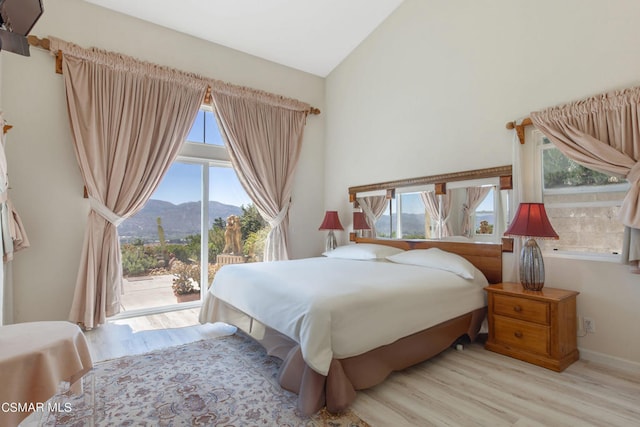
{"x": 256, "y": 95}
{"x": 118, "y": 61}
{"x": 603, "y": 133}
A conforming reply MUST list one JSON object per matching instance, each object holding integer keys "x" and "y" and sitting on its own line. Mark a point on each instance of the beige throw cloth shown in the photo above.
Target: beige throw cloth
{"x": 128, "y": 120}
{"x": 13, "y": 236}
{"x": 263, "y": 135}
{"x": 35, "y": 358}
{"x": 603, "y": 133}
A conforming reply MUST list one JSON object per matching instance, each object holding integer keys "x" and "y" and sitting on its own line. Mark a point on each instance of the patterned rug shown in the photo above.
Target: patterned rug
{"x": 228, "y": 381}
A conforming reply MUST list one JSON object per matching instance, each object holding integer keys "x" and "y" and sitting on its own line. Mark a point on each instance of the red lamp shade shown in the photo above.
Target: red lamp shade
{"x": 331, "y": 221}
{"x": 360, "y": 221}
{"x": 531, "y": 221}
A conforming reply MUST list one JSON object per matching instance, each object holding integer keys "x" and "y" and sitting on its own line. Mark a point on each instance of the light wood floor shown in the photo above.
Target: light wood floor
{"x": 139, "y": 335}
{"x": 478, "y": 387}
{"x": 472, "y": 387}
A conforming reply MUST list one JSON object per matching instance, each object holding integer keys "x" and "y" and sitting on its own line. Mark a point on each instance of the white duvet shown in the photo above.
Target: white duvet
{"x": 337, "y": 308}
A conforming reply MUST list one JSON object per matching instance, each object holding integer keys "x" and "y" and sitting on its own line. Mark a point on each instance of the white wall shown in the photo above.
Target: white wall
{"x": 430, "y": 92}
{"x": 46, "y": 186}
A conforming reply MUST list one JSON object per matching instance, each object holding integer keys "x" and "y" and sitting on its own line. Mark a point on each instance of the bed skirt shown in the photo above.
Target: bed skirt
{"x": 337, "y": 390}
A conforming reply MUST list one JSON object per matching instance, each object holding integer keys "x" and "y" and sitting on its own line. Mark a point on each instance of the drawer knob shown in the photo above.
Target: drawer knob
{"x": 517, "y": 334}
{"x": 517, "y": 309}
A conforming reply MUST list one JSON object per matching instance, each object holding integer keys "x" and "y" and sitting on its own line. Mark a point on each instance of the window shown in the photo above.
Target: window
{"x": 413, "y": 217}
{"x": 412, "y": 222}
{"x": 582, "y": 204}
{"x": 386, "y": 224}
{"x": 484, "y": 218}
{"x": 177, "y": 241}
{"x": 407, "y": 218}
{"x": 205, "y": 129}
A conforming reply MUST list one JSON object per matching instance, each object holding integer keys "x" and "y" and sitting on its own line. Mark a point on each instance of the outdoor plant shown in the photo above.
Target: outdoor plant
{"x": 254, "y": 244}
{"x": 186, "y": 277}
{"x": 136, "y": 261}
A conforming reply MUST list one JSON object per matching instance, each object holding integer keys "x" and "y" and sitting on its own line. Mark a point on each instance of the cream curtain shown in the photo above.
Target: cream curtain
{"x": 475, "y": 195}
{"x": 603, "y": 133}
{"x": 128, "y": 120}
{"x": 439, "y": 207}
{"x": 263, "y": 135}
{"x": 517, "y": 155}
{"x": 373, "y": 208}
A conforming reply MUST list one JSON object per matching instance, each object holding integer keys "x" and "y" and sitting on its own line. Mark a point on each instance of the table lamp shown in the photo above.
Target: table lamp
{"x": 360, "y": 223}
{"x": 531, "y": 221}
{"x": 331, "y": 222}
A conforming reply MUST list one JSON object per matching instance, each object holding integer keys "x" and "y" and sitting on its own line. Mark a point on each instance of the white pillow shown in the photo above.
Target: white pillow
{"x": 436, "y": 258}
{"x": 363, "y": 251}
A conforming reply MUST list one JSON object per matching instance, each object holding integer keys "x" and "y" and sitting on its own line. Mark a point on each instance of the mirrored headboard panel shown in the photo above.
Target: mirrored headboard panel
{"x": 465, "y": 206}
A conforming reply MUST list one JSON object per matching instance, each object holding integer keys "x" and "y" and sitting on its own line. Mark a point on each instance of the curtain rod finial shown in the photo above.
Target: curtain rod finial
{"x": 35, "y": 41}
{"x": 519, "y": 127}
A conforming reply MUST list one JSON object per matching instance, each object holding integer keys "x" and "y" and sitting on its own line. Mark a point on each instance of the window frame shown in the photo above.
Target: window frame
{"x": 487, "y": 237}
{"x": 398, "y": 205}
{"x": 396, "y": 208}
{"x": 541, "y": 192}
{"x": 207, "y": 156}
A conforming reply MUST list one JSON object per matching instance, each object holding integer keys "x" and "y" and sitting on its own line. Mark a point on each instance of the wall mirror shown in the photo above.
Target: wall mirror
{"x": 473, "y": 205}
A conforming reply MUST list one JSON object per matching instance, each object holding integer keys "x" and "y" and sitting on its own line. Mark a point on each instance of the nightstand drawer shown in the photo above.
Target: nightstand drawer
{"x": 521, "y": 335}
{"x": 520, "y": 308}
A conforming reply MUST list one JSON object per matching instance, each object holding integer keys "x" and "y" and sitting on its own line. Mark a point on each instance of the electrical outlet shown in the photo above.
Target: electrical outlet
{"x": 589, "y": 325}
{"x": 580, "y": 332}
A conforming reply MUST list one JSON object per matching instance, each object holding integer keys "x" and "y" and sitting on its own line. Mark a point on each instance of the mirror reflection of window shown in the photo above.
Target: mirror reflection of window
{"x": 386, "y": 224}
{"x": 413, "y": 217}
{"x": 484, "y": 217}
{"x": 479, "y": 215}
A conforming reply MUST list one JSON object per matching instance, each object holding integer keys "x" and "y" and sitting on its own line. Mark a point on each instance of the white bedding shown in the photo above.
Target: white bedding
{"x": 337, "y": 308}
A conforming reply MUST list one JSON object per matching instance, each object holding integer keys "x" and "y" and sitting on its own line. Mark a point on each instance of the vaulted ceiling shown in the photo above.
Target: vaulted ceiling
{"x": 308, "y": 35}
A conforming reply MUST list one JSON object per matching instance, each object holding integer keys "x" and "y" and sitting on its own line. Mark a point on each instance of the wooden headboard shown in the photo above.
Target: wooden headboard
{"x": 487, "y": 257}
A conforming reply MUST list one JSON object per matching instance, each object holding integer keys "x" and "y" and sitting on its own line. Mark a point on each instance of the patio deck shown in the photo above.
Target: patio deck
{"x": 146, "y": 292}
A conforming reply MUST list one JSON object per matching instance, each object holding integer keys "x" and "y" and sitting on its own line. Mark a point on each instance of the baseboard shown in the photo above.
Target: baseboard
{"x": 605, "y": 359}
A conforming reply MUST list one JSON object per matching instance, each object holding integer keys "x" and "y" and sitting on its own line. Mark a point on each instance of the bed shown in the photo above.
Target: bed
{"x": 344, "y": 322}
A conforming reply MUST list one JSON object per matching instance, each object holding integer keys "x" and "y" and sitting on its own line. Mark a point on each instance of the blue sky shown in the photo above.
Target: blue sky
{"x": 182, "y": 183}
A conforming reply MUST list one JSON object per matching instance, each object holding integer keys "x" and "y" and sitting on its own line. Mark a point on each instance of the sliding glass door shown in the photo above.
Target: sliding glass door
{"x": 198, "y": 219}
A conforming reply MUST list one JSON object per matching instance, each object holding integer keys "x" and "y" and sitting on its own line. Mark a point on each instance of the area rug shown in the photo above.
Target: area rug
{"x": 228, "y": 381}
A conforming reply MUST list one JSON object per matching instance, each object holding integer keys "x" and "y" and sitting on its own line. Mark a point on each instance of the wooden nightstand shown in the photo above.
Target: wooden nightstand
{"x": 538, "y": 327}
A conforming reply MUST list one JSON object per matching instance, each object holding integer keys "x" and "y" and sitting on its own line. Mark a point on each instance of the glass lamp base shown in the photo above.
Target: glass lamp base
{"x": 531, "y": 266}
{"x": 331, "y": 243}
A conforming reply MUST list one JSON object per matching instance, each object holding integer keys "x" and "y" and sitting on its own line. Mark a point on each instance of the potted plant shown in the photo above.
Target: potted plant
{"x": 185, "y": 282}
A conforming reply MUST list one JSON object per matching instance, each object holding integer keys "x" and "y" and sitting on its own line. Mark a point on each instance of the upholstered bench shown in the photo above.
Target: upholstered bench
{"x": 35, "y": 357}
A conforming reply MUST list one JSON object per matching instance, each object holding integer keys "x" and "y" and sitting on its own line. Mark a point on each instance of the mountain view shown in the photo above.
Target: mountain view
{"x": 183, "y": 219}
{"x": 178, "y": 221}
{"x": 413, "y": 224}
